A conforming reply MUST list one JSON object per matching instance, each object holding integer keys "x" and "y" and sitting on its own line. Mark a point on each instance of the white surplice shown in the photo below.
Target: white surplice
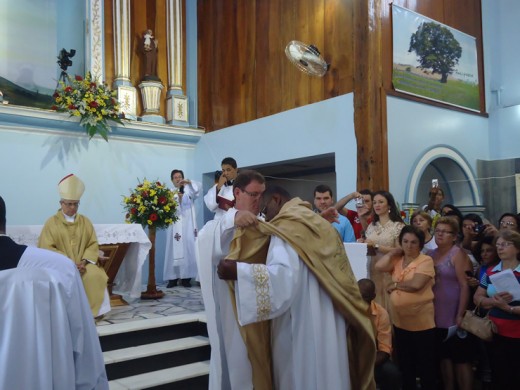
{"x": 229, "y": 365}
{"x": 179, "y": 260}
{"x": 210, "y": 199}
{"x": 309, "y": 337}
{"x": 48, "y": 339}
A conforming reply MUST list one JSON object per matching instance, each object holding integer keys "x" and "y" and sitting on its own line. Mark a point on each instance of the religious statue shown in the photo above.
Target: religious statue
{"x": 149, "y": 47}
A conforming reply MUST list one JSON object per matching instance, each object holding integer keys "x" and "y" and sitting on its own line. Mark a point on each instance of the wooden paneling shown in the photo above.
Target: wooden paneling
{"x": 243, "y": 71}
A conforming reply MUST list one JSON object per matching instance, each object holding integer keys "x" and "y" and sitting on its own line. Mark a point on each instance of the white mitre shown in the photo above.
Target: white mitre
{"x": 71, "y": 187}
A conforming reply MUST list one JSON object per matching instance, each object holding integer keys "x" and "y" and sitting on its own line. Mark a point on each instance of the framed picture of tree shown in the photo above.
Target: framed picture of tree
{"x": 434, "y": 61}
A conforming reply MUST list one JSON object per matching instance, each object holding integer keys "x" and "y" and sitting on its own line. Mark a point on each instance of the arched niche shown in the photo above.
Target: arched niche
{"x": 454, "y": 174}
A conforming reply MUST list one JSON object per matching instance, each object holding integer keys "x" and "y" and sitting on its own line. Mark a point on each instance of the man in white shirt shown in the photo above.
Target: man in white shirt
{"x": 220, "y": 197}
{"x": 180, "y": 264}
{"x": 230, "y": 367}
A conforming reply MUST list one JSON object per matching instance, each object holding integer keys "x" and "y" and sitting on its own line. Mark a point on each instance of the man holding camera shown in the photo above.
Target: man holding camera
{"x": 180, "y": 264}
{"x": 220, "y": 198}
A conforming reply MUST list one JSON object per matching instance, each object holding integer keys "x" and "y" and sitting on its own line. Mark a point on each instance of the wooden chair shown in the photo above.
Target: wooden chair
{"x": 111, "y": 257}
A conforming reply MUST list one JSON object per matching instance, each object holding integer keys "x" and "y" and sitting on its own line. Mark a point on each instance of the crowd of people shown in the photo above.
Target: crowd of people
{"x": 283, "y": 307}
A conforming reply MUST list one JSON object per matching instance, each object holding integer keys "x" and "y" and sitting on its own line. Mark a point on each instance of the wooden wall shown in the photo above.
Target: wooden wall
{"x": 243, "y": 72}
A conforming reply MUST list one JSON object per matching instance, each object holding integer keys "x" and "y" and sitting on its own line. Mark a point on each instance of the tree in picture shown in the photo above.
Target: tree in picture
{"x": 436, "y": 48}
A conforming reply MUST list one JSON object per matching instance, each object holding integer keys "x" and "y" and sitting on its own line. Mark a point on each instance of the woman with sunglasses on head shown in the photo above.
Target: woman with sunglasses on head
{"x": 451, "y": 298}
{"x": 504, "y": 311}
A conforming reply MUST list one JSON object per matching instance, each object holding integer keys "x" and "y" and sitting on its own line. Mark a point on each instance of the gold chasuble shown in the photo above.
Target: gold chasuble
{"x": 77, "y": 240}
{"x": 319, "y": 246}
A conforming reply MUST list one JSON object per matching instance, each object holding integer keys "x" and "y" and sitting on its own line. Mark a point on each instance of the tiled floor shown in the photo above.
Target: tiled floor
{"x": 177, "y": 300}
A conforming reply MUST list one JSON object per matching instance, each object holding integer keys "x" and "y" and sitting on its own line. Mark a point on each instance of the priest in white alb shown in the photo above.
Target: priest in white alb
{"x": 230, "y": 366}
{"x": 180, "y": 264}
{"x": 321, "y": 336}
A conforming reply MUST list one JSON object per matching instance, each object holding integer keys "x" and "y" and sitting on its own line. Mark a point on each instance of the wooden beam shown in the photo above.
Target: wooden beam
{"x": 369, "y": 97}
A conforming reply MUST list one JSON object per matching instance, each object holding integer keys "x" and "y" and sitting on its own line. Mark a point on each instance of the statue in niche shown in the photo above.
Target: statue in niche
{"x": 149, "y": 48}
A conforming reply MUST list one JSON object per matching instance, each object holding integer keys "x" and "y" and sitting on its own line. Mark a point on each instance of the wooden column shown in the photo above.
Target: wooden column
{"x": 369, "y": 96}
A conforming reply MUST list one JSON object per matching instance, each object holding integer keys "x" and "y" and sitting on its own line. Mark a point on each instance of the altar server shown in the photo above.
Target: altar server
{"x": 180, "y": 264}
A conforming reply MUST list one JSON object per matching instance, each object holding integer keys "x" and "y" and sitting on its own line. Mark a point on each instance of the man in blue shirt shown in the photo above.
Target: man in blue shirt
{"x": 322, "y": 201}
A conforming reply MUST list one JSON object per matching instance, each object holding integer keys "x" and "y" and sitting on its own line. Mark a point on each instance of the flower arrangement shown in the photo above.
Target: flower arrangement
{"x": 93, "y": 102}
{"x": 151, "y": 204}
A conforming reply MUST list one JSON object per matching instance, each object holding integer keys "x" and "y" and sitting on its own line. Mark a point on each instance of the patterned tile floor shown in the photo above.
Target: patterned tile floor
{"x": 177, "y": 300}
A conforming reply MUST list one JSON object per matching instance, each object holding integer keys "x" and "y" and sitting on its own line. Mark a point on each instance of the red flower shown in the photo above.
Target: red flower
{"x": 144, "y": 194}
{"x": 158, "y": 183}
{"x": 68, "y": 89}
{"x": 93, "y": 85}
{"x": 153, "y": 217}
{"x": 93, "y": 104}
{"x": 162, "y": 200}
{"x": 54, "y": 107}
{"x": 79, "y": 78}
{"x": 127, "y": 216}
{"x": 133, "y": 210}
{"x": 72, "y": 107}
{"x": 55, "y": 95}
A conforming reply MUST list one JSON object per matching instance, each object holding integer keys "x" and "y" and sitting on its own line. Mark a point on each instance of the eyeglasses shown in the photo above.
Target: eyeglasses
{"x": 438, "y": 231}
{"x": 253, "y": 194}
{"x": 506, "y": 223}
{"x": 70, "y": 204}
{"x": 505, "y": 244}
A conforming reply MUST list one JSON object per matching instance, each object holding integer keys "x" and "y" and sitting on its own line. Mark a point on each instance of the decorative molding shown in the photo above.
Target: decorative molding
{"x": 433, "y": 154}
{"x": 24, "y": 119}
{"x": 127, "y": 97}
{"x": 95, "y": 43}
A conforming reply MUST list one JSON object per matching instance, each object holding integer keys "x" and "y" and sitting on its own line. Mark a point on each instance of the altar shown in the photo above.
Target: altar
{"x": 128, "y": 279}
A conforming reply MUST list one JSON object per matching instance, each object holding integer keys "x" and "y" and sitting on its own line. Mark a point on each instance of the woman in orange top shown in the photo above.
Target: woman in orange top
{"x": 411, "y": 305}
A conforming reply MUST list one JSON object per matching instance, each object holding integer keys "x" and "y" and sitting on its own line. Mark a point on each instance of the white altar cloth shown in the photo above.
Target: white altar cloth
{"x": 357, "y": 255}
{"x": 128, "y": 278}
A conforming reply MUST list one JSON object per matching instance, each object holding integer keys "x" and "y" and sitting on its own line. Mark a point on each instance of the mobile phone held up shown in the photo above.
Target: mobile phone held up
{"x": 435, "y": 183}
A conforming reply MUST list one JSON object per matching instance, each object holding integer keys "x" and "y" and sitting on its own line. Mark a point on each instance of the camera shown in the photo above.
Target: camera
{"x": 360, "y": 202}
{"x": 479, "y": 228}
{"x": 64, "y": 58}
{"x": 217, "y": 175}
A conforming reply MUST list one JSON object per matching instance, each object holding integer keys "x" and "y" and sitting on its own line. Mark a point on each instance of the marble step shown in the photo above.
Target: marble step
{"x": 155, "y": 330}
{"x": 143, "y": 351}
{"x": 133, "y": 326}
{"x": 190, "y": 376}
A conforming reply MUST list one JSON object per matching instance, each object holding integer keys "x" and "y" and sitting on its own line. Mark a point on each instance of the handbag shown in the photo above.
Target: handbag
{"x": 482, "y": 327}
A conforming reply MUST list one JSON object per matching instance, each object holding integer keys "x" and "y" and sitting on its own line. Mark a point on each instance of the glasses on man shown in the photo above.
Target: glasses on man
{"x": 507, "y": 223}
{"x": 70, "y": 204}
{"x": 253, "y": 194}
{"x": 505, "y": 244}
{"x": 440, "y": 231}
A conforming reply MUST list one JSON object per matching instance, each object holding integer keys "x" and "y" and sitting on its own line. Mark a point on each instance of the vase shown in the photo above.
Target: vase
{"x": 151, "y": 290}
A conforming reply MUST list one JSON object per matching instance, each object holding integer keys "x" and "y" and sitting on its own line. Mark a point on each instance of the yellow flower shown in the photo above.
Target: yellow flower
{"x": 167, "y": 208}
{"x": 153, "y": 192}
{"x": 149, "y": 222}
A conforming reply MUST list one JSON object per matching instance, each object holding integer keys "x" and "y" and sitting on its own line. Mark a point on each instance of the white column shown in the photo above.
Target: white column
{"x": 126, "y": 92}
{"x": 176, "y": 101}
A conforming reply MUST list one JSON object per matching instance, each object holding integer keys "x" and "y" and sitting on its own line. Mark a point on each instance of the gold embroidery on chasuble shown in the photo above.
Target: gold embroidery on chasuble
{"x": 263, "y": 302}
